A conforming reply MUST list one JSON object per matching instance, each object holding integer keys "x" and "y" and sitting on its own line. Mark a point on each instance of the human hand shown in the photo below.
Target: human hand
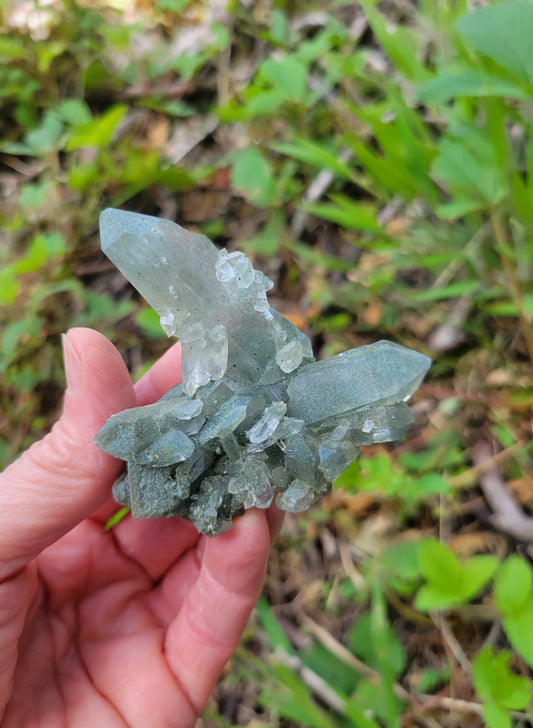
{"x": 127, "y": 627}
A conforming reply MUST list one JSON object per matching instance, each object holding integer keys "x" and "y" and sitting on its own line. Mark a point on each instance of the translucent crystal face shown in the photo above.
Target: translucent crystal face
{"x": 255, "y": 414}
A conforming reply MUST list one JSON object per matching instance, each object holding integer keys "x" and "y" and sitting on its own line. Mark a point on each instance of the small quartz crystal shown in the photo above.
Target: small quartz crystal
{"x": 255, "y": 414}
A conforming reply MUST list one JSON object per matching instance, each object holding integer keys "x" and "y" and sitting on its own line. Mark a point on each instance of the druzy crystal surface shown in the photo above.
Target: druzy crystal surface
{"x": 255, "y": 414}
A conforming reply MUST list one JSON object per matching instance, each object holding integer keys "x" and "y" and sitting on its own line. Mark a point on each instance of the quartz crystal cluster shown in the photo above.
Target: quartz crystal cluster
{"x": 255, "y": 414}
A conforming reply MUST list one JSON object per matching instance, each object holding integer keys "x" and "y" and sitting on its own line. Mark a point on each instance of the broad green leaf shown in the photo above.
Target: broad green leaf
{"x": 74, "y": 111}
{"x": 149, "y": 322}
{"x": 468, "y": 167}
{"x": 46, "y": 137}
{"x": 495, "y": 716}
{"x": 42, "y": 248}
{"x": 100, "y": 131}
{"x": 287, "y": 75}
{"x": 468, "y": 82}
{"x": 439, "y": 564}
{"x": 495, "y": 683}
{"x": 34, "y": 195}
{"x": 436, "y": 596}
{"x": 264, "y": 103}
{"x": 504, "y": 33}
{"x": 476, "y": 573}
{"x": 450, "y": 582}
{"x": 512, "y": 585}
{"x": 432, "y": 484}
{"x": 403, "y": 560}
{"x": 280, "y": 29}
{"x": 253, "y": 177}
{"x": 518, "y": 627}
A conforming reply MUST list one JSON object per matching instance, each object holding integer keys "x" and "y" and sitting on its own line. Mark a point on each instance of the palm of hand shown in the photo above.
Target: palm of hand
{"x": 128, "y": 627}
{"x": 114, "y": 637}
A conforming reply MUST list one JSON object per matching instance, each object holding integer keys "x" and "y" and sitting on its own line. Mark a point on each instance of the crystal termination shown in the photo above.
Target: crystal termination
{"x": 255, "y": 414}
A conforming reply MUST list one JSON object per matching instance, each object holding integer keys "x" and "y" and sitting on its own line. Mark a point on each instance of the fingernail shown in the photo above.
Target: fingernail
{"x": 72, "y": 364}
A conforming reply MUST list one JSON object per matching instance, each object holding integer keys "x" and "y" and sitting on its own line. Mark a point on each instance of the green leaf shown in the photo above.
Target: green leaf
{"x": 46, "y": 137}
{"x": 292, "y": 699}
{"x": 468, "y": 82}
{"x": 264, "y": 103}
{"x": 363, "y": 643}
{"x": 439, "y": 564}
{"x": 274, "y": 631}
{"x": 495, "y": 716}
{"x": 458, "y": 208}
{"x": 512, "y": 584}
{"x": 467, "y": 166}
{"x": 454, "y": 290}
{"x": 8, "y": 286}
{"x": 100, "y": 131}
{"x": 431, "y": 678}
{"x": 476, "y": 573}
{"x": 504, "y": 33}
{"x": 399, "y": 43}
{"x": 43, "y": 248}
{"x": 432, "y": 484}
{"x": 174, "y": 6}
{"x": 313, "y": 153}
{"x": 34, "y": 195}
{"x": 358, "y": 712}
{"x": 253, "y": 177}
{"x": 348, "y": 214}
{"x": 268, "y": 240}
{"x": 450, "y": 582}
{"x": 496, "y": 685}
{"x": 149, "y": 321}
{"x": 74, "y": 111}
{"x": 116, "y": 518}
{"x": 501, "y": 308}
{"x": 280, "y": 29}
{"x": 287, "y": 75}
{"x": 518, "y": 627}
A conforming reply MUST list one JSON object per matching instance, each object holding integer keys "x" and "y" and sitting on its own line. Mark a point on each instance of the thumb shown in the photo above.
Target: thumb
{"x": 64, "y": 478}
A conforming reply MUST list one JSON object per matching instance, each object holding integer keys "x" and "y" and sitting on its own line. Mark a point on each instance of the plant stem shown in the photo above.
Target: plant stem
{"x": 503, "y": 243}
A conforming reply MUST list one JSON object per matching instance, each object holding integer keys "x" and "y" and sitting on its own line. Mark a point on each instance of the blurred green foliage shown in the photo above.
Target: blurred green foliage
{"x": 378, "y": 160}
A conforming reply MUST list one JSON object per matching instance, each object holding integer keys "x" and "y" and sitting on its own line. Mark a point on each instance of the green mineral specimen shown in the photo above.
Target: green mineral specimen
{"x": 255, "y": 414}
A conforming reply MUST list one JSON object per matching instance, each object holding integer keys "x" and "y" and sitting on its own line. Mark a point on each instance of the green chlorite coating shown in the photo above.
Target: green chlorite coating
{"x": 255, "y": 414}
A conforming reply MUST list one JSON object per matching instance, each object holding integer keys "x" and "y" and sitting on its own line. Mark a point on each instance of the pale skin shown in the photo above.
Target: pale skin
{"x": 127, "y": 627}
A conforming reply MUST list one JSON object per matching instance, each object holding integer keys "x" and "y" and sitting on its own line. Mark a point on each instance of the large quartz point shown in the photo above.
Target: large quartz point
{"x": 255, "y": 414}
